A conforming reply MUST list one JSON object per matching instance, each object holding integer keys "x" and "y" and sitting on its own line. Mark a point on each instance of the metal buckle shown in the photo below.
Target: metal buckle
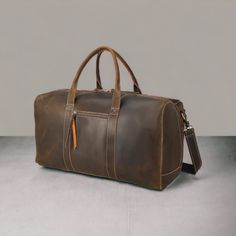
{"x": 185, "y": 119}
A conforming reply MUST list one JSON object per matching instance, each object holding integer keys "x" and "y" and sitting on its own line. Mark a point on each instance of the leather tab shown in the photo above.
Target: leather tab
{"x": 68, "y": 116}
{"x": 194, "y": 152}
{"x": 111, "y": 145}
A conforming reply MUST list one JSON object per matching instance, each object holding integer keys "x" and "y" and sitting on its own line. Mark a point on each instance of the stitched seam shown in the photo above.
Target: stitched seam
{"x": 107, "y": 149}
{"x": 171, "y": 172}
{"x": 63, "y": 143}
{"x": 88, "y": 173}
{"x": 75, "y": 171}
{"x": 70, "y": 154}
{"x": 69, "y": 108}
{"x": 92, "y": 115}
{"x": 104, "y": 92}
{"x": 116, "y": 120}
{"x": 102, "y": 176}
{"x": 162, "y": 139}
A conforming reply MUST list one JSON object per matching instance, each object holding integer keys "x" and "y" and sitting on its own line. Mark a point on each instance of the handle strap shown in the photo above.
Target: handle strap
{"x": 99, "y": 84}
{"x": 116, "y": 97}
{"x": 190, "y": 137}
{"x": 117, "y": 92}
{"x": 112, "y": 119}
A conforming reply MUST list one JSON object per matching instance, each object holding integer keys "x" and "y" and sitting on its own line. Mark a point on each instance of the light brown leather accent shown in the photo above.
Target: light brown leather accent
{"x": 74, "y": 134}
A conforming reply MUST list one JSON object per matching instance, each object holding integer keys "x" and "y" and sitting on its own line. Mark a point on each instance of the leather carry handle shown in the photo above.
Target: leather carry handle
{"x": 98, "y": 77}
{"x": 116, "y": 97}
{"x": 113, "y": 115}
{"x": 117, "y": 93}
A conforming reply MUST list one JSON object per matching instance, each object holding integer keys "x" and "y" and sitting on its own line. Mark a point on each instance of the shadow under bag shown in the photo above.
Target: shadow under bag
{"x": 125, "y": 136}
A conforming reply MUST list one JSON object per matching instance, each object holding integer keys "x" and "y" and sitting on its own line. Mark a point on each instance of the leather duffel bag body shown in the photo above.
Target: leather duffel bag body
{"x": 125, "y": 136}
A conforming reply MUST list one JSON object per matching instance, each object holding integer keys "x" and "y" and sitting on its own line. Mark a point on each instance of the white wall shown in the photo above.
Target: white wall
{"x": 183, "y": 49}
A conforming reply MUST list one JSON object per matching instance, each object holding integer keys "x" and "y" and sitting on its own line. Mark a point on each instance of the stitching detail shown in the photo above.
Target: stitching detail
{"x": 115, "y": 141}
{"x": 88, "y": 173}
{"x": 107, "y": 148}
{"x": 69, "y": 112}
{"x": 84, "y": 91}
{"x": 102, "y": 176}
{"x": 99, "y": 115}
{"x": 69, "y": 106}
{"x": 70, "y": 154}
{"x": 171, "y": 172}
{"x": 63, "y": 140}
{"x": 116, "y": 120}
{"x": 162, "y": 121}
{"x": 91, "y": 113}
{"x": 76, "y": 171}
{"x": 162, "y": 138}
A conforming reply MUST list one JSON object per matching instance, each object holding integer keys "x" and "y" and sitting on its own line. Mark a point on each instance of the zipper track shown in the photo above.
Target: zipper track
{"x": 80, "y": 113}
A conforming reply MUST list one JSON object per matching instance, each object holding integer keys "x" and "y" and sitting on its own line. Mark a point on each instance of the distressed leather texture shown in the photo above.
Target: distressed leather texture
{"x": 120, "y": 135}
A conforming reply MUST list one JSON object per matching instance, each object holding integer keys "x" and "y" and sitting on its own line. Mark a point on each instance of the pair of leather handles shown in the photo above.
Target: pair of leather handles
{"x": 117, "y": 91}
{"x": 99, "y": 84}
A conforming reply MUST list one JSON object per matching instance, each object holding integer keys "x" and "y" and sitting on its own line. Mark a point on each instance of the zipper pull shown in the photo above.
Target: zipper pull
{"x": 74, "y": 133}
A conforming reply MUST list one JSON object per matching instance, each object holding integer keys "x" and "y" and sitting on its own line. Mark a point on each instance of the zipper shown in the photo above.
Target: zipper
{"x": 74, "y": 132}
{"x": 75, "y": 120}
{"x": 91, "y": 114}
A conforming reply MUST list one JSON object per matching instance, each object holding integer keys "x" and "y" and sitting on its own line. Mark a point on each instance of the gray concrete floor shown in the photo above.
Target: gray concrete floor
{"x": 39, "y": 201}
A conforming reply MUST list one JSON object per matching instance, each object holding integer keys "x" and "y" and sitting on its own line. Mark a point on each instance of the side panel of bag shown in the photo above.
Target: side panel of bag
{"x": 172, "y": 144}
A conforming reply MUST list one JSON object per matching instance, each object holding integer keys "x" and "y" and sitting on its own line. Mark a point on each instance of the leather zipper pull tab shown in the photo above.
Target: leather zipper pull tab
{"x": 74, "y": 133}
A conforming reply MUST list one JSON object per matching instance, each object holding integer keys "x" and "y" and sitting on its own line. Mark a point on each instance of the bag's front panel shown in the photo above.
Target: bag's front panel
{"x": 89, "y": 157}
{"x": 138, "y": 144}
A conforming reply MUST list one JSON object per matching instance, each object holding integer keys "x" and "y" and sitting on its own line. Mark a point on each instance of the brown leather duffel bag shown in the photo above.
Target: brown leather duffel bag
{"x": 125, "y": 136}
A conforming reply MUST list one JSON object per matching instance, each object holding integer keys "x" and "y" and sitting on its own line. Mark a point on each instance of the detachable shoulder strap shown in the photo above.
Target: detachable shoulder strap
{"x": 193, "y": 149}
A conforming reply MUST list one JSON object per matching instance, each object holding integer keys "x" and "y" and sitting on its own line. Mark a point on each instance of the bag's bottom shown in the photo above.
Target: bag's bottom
{"x": 166, "y": 180}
